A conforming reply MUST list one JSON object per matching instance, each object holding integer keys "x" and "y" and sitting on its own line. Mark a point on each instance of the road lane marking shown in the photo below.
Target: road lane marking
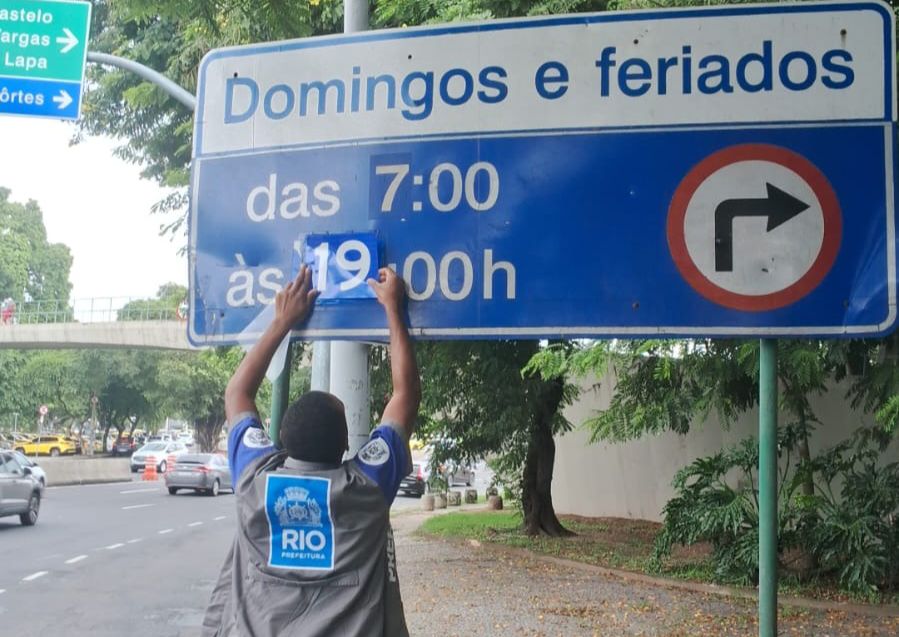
{"x": 195, "y": 524}
{"x": 221, "y": 517}
{"x": 164, "y": 531}
{"x": 114, "y": 546}
{"x": 34, "y": 576}
{"x": 134, "y": 541}
{"x": 139, "y": 491}
{"x": 76, "y": 559}
{"x": 137, "y": 506}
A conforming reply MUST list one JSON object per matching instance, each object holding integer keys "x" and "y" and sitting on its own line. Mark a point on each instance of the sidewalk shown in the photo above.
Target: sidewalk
{"x": 454, "y": 589}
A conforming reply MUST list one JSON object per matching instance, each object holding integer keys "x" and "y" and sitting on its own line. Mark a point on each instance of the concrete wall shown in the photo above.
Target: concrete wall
{"x": 78, "y": 470}
{"x": 633, "y": 479}
{"x": 121, "y": 334}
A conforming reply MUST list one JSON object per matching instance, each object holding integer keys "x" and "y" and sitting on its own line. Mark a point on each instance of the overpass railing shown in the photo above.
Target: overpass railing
{"x": 94, "y": 310}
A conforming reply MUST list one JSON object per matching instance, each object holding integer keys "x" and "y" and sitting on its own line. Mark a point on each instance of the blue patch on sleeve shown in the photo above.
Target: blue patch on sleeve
{"x": 298, "y": 509}
{"x": 247, "y": 441}
{"x": 384, "y": 459}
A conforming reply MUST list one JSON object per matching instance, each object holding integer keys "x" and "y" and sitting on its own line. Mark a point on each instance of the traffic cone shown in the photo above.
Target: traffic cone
{"x": 150, "y": 469}
{"x": 170, "y": 462}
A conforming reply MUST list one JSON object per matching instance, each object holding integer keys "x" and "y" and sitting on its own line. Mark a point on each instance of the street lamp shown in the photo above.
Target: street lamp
{"x": 15, "y": 422}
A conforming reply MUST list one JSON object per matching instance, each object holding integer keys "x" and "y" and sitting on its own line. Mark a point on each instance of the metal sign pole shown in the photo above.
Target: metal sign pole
{"x": 768, "y": 488}
{"x": 280, "y": 398}
{"x": 349, "y": 360}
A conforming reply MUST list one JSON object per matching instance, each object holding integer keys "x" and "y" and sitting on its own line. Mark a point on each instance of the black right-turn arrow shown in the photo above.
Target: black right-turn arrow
{"x": 778, "y": 206}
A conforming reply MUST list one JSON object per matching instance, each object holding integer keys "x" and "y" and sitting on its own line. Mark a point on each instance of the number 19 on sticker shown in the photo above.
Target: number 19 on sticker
{"x": 341, "y": 264}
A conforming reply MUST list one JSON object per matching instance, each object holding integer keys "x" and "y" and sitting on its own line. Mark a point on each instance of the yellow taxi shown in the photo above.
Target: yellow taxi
{"x": 415, "y": 444}
{"x": 47, "y": 445}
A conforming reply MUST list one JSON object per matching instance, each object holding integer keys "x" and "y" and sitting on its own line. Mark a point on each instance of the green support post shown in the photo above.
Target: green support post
{"x": 768, "y": 488}
{"x": 280, "y": 397}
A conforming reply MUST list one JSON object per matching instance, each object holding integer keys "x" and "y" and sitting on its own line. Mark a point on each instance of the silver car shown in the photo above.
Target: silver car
{"x": 160, "y": 451}
{"x": 203, "y": 472}
{"x": 20, "y": 493}
{"x": 38, "y": 473}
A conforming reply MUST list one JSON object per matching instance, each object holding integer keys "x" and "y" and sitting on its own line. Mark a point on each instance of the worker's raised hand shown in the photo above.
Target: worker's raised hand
{"x": 294, "y": 303}
{"x": 389, "y": 288}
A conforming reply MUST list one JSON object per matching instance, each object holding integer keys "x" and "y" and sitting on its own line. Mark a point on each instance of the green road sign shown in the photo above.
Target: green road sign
{"x": 43, "y": 47}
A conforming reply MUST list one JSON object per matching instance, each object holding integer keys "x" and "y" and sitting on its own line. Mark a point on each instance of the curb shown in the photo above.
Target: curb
{"x": 885, "y": 610}
{"x": 87, "y": 481}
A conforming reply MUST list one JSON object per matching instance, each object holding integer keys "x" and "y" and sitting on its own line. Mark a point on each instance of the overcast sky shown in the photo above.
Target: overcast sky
{"x": 94, "y": 203}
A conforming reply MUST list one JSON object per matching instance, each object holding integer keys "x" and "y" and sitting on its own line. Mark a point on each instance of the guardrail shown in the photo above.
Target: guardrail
{"x": 95, "y": 310}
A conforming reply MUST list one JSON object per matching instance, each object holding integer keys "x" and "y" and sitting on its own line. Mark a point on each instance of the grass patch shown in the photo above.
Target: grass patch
{"x": 615, "y": 543}
{"x": 477, "y": 525}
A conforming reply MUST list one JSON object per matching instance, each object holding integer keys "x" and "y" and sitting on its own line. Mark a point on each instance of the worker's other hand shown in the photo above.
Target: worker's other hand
{"x": 389, "y": 288}
{"x": 294, "y": 303}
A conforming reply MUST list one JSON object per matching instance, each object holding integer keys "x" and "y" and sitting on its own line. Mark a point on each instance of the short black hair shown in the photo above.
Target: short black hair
{"x": 314, "y": 428}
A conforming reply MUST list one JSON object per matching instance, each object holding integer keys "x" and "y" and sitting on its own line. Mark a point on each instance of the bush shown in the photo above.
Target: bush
{"x": 851, "y": 533}
{"x": 856, "y": 534}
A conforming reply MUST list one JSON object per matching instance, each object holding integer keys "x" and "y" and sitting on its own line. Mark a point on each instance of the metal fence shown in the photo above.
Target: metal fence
{"x": 96, "y": 310}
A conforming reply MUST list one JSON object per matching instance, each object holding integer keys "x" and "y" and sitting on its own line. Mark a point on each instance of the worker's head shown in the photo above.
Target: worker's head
{"x": 314, "y": 428}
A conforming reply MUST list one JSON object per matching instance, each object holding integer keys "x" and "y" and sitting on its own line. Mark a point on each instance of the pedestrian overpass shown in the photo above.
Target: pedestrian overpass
{"x": 108, "y": 323}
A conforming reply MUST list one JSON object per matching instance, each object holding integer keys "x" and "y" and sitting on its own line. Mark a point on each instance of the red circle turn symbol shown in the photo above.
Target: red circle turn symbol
{"x": 754, "y": 227}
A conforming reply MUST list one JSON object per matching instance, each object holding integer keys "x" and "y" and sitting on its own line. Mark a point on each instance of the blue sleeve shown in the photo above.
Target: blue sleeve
{"x": 386, "y": 459}
{"x": 247, "y": 441}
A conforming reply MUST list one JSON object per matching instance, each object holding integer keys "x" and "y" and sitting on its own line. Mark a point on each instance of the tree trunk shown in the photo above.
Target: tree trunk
{"x": 208, "y": 430}
{"x": 536, "y": 482}
{"x": 106, "y": 437}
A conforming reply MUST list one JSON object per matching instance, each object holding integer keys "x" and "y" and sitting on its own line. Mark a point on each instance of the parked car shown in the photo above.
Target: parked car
{"x": 39, "y": 474}
{"x": 124, "y": 446}
{"x": 187, "y": 439}
{"x": 203, "y": 472}
{"x": 160, "y": 451}
{"x": 20, "y": 493}
{"x": 460, "y": 474}
{"x": 47, "y": 445}
{"x": 416, "y": 483}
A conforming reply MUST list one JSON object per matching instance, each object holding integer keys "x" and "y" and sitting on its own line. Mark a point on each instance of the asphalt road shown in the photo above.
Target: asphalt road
{"x": 114, "y": 560}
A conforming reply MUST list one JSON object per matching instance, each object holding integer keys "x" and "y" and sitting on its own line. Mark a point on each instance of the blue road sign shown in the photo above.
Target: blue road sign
{"x": 636, "y": 174}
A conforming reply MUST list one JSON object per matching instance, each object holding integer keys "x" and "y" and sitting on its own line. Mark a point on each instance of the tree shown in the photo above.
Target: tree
{"x": 192, "y": 386}
{"x": 124, "y": 382}
{"x": 31, "y": 268}
{"x": 164, "y": 307}
{"x": 172, "y": 36}
{"x": 476, "y": 401}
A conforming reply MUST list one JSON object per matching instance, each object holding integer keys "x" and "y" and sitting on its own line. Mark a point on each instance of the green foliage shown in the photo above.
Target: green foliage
{"x": 400, "y": 13}
{"x": 171, "y": 37}
{"x": 162, "y": 308}
{"x": 708, "y": 509}
{"x": 31, "y": 268}
{"x": 856, "y": 533}
{"x": 478, "y": 525}
{"x": 474, "y": 394}
{"x": 850, "y": 531}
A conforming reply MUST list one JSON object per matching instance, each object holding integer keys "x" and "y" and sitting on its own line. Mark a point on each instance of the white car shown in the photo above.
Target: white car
{"x": 36, "y": 471}
{"x": 187, "y": 439}
{"x": 160, "y": 452}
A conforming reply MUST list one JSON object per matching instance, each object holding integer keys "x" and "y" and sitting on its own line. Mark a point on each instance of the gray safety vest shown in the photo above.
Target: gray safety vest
{"x": 331, "y": 570}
